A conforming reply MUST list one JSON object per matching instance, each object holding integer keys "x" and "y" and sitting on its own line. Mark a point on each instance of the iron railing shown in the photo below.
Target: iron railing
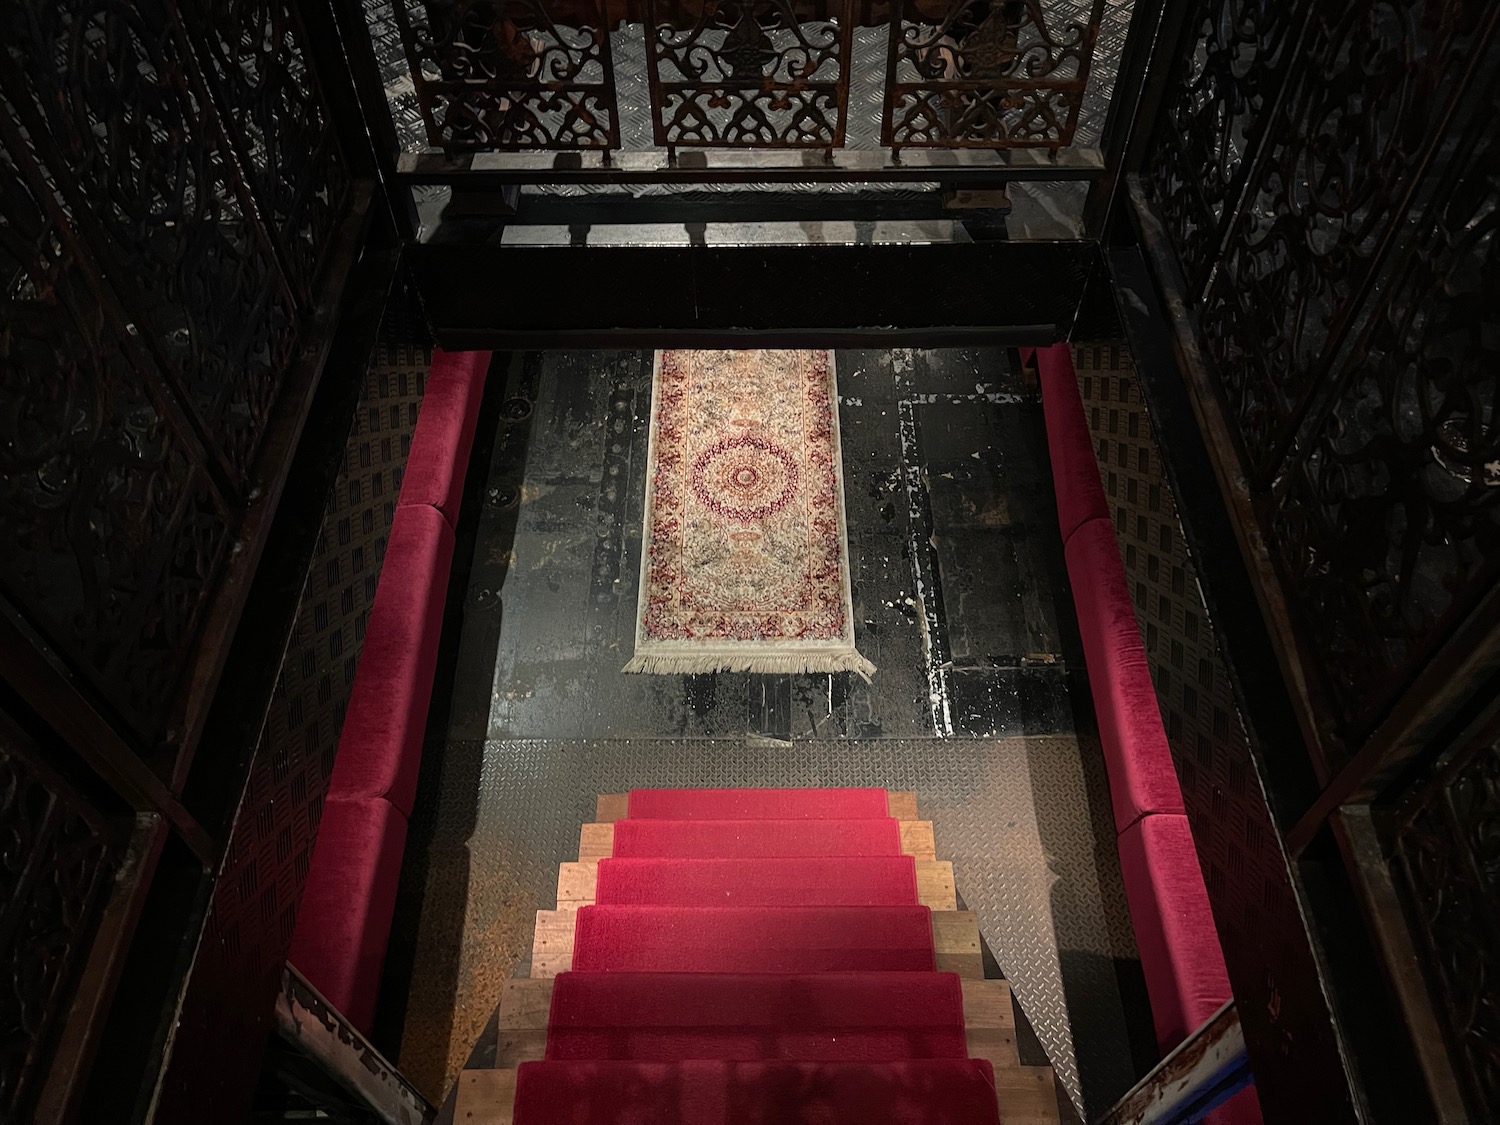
{"x": 540, "y": 75}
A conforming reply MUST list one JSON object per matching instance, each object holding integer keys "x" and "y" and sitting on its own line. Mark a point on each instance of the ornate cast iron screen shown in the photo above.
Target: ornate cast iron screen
{"x": 517, "y": 75}
{"x": 1321, "y": 195}
{"x": 748, "y": 73}
{"x": 508, "y": 75}
{"x": 179, "y": 217}
{"x": 61, "y": 856}
{"x": 985, "y": 74}
{"x": 171, "y": 189}
{"x": 1326, "y": 185}
{"x": 1442, "y": 833}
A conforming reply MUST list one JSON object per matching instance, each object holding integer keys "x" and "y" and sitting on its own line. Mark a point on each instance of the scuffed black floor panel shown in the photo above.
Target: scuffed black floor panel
{"x": 549, "y": 616}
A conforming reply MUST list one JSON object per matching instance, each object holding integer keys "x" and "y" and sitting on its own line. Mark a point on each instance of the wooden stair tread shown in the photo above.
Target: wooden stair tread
{"x": 610, "y": 807}
{"x": 576, "y": 884}
{"x": 485, "y": 1097}
{"x": 596, "y": 840}
{"x": 955, "y": 938}
{"x": 1027, "y": 1095}
{"x": 526, "y": 1004}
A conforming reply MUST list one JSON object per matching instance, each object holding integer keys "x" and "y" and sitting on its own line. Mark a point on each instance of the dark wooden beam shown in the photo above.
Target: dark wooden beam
{"x": 1380, "y": 899}
{"x": 923, "y": 295}
{"x": 36, "y": 673}
{"x": 97, "y": 985}
{"x": 1215, "y": 536}
{"x": 142, "y": 1058}
{"x": 1148, "y": 54}
{"x": 1256, "y": 632}
{"x": 1437, "y": 695}
{"x": 234, "y": 717}
{"x": 344, "y": 55}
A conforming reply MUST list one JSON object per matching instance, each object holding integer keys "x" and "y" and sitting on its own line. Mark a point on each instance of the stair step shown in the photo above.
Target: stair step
{"x": 732, "y": 804}
{"x": 663, "y": 1017}
{"x": 764, "y": 968}
{"x": 1026, "y": 1095}
{"x": 988, "y": 1013}
{"x": 761, "y": 837}
{"x": 955, "y": 938}
{"x": 808, "y": 881}
{"x": 707, "y": 838}
{"x": 701, "y": 1092}
{"x": 754, "y": 939}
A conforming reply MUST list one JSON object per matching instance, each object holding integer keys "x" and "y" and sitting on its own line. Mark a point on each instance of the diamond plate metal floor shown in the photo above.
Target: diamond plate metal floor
{"x": 1021, "y": 818}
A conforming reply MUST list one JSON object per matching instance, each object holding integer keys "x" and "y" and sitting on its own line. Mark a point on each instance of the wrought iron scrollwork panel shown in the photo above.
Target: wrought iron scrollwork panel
{"x": 1342, "y": 157}
{"x": 985, "y": 74}
{"x": 1388, "y": 526}
{"x": 255, "y": 58}
{"x": 749, "y": 73}
{"x": 113, "y": 533}
{"x": 108, "y": 92}
{"x": 512, "y": 74}
{"x": 1230, "y": 66}
{"x": 1445, "y": 855}
{"x": 169, "y": 190}
{"x": 59, "y": 858}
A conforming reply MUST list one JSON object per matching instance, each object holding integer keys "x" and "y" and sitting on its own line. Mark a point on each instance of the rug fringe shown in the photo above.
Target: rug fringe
{"x": 783, "y": 663}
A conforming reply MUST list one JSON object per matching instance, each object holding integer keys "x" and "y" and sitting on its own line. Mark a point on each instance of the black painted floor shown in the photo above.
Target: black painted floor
{"x": 952, "y": 537}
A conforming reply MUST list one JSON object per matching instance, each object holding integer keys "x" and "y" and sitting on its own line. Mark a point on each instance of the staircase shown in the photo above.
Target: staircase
{"x": 728, "y": 957}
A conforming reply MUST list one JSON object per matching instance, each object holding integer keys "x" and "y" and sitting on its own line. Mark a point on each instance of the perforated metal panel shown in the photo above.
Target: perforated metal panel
{"x": 1255, "y": 909}
{"x": 255, "y": 901}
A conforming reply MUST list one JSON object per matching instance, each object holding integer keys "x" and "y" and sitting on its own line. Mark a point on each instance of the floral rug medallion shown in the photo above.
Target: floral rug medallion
{"x": 745, "y": 564}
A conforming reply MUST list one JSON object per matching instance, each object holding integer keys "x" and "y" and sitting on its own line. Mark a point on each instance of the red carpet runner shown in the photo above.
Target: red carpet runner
{"x": 756, "y": 957}
{"x": 755, "y": 839}
{"x": 738, "y": 804}
{"x": 811, "y": 881}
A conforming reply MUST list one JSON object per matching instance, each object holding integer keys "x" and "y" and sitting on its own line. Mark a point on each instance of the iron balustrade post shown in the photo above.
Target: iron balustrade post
{"x": 342, "y": 46}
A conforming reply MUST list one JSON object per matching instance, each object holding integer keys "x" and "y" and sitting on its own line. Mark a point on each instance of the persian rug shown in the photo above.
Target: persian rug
{"x": 745, "y": 559}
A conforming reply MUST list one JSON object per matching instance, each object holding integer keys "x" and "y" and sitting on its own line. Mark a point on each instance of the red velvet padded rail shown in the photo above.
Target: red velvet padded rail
{"x": 1137, "y": 756}
{"x": 444, "y": 436}
{"x": 811, "y": 881}
{"x": 756, "y": 838}
{"x": 822, "y": 1017}
{"x": 380, "y": 748}
{"x": 1075, "y": 473}
{"x": 348, "y": 902}
{"x": 794, "y": 939}
{"x": 345, "y": 914}
{"x": 924, "y": 1092}
{"x": 1180, "y": 953}
{"x": 740, "y": 804}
